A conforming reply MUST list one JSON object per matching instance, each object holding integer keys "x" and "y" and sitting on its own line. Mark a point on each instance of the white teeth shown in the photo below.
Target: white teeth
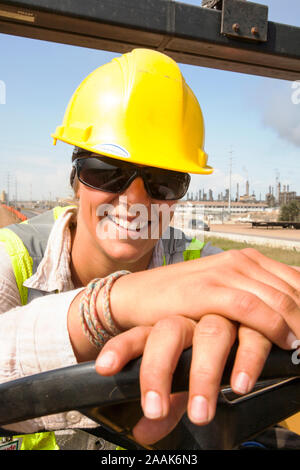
{"x": 128, "y": 225}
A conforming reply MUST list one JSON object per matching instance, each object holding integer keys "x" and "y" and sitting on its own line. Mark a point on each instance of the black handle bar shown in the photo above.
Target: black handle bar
{"x": 114, "y": 402}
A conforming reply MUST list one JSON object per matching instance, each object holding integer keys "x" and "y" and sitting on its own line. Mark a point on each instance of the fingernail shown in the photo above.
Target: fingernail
{"x": 152, "y": 405}
{"x": 199, "y": 409}
{"x": 291, "y": 340}
{"x": 241, "y": 383}
{"x": 106, "y": 360}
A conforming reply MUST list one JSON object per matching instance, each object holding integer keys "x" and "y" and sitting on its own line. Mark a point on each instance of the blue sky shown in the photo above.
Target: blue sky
{"x": 252, "y": 117}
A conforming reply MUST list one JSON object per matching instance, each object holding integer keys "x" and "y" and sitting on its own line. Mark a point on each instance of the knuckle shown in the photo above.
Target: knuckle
{"x": 205, "y": 375}
{"x": 214, "y": 326}
{"x": 246, "y": 302}
{"x": 284, "y": 302}
{"x": 277, "y": 327}
{"x": 169, "y": 324}
{"x": 234, "y": 256}
{"x": 210, "y": 330}
{"x": 137, "y": 330}
{"x": 250, "y": 252}
{"x": 151, "y": 375}
{"x": 296, "y": 294}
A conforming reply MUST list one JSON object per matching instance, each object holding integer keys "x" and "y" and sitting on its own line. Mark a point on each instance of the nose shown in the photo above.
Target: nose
{"x": 136, "y": 192}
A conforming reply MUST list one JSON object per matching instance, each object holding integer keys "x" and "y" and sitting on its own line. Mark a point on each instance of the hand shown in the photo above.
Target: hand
{"x": 244, "y": 286}
{"x": 161, "y": 346}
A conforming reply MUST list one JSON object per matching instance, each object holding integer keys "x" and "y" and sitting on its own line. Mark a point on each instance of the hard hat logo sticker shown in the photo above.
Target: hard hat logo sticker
{"x": 113, "y": 149}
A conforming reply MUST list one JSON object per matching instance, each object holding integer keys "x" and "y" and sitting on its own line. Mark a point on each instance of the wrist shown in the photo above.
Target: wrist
{"x": 117, "y": 302}
{"x": 121, "y": 303}
{"x": 82, "y": 347}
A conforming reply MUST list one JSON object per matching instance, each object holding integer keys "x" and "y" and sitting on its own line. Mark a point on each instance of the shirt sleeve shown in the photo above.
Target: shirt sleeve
{"x": 209, "y": 250}
{"x": 9, "y": 293}
{"x": 34, "y": 338}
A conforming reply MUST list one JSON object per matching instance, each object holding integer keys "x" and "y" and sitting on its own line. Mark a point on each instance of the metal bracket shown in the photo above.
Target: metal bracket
{"x": 244, "y": 20}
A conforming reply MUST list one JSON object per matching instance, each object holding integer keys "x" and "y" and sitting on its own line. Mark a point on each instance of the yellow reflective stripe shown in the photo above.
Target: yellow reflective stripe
{"x": 193, "y": 251}
{"x": 58, "y": 211}
{"x": 38, "y": 441}
{"x": 20, "y": 259}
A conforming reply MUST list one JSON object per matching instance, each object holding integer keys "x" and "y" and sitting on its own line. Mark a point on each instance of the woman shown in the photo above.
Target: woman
{"x": 138, "y": 131}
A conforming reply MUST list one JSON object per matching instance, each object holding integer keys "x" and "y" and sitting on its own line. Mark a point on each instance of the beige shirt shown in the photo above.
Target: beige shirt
{"x": 34, "y": 338}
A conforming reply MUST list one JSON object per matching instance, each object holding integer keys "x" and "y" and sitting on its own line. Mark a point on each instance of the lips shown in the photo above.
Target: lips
{"x": 133, "y": 225}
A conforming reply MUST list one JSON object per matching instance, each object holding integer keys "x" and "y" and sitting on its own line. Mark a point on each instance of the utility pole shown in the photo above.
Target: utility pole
{"x": 8, "y": 183}
{"x": 229, "y": 195}
{"x": 16, "y": 191}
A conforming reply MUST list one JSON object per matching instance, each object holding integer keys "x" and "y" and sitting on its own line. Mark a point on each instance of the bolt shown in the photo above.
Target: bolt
{"x": 254, "y": 30}
{"x": 236, "y": 27}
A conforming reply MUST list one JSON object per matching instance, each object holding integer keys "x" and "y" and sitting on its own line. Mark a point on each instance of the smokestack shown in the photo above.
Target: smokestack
{"x": 247, "y": 188}
{"x": 278, "y": 192}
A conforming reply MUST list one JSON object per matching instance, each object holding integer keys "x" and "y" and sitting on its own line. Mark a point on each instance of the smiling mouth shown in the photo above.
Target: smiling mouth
{"x": 135, "y": 226}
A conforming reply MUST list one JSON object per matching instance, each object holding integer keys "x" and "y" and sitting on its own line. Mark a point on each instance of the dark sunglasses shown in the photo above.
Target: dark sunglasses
{"x": 114, "y": 176}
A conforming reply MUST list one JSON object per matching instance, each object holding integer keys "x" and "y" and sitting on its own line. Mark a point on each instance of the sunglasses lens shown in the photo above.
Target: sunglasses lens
{"x": 167, "y": 184}
{"x": 103, "y": 175}
{"x": 109, "y": 175}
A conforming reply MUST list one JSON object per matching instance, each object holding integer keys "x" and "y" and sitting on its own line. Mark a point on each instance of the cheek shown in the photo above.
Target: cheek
{"x": 93, "y": 203}
{"x": 165, "y": 210}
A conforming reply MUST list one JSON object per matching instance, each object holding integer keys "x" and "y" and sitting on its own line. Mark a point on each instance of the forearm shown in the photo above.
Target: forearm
{"x": 145, "y": 297}
{"x": 83, "y": 349}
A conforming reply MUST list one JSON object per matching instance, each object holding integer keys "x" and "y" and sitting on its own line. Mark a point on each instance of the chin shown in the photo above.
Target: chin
{"x": 124, "y": 252}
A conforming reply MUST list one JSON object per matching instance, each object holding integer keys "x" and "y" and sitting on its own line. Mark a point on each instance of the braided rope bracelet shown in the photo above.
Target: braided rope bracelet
{"x": 93, "y": 329}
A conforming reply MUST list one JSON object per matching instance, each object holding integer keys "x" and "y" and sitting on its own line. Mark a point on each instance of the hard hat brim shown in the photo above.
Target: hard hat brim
{"x": 190, "y": 168}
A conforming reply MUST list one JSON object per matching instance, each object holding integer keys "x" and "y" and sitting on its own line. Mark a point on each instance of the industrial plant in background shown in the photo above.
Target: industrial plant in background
{"x": 277, "y": 197}
{"x": 279, "y": 204}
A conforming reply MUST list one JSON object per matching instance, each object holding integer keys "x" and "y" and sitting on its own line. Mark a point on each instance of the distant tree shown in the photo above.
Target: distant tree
{"x": 289, "y": 212}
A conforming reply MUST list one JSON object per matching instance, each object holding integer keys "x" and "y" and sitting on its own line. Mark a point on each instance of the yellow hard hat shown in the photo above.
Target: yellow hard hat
{"x": 138, "y": 108}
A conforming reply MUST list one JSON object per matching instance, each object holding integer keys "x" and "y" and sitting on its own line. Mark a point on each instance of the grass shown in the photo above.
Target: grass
{"x": 278, "y": 254}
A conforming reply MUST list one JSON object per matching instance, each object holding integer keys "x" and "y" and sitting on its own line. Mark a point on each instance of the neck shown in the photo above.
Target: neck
{"x": 93, "y": 263}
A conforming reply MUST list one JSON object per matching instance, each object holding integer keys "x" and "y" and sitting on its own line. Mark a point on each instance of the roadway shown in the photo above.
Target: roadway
{"x": 246, "y": 229}
{"x": 288, "y": 239}
{"x": 29, "y": 213}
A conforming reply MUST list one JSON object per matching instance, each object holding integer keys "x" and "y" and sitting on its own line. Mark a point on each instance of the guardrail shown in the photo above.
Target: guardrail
{"x": 19, "y": 214}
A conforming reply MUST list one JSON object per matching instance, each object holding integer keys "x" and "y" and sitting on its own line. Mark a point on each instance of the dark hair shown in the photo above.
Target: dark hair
{"x": 78, "y": 152}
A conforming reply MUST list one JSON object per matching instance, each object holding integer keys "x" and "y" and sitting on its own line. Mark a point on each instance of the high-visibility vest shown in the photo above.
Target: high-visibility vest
{"x": 26, "y": 242}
